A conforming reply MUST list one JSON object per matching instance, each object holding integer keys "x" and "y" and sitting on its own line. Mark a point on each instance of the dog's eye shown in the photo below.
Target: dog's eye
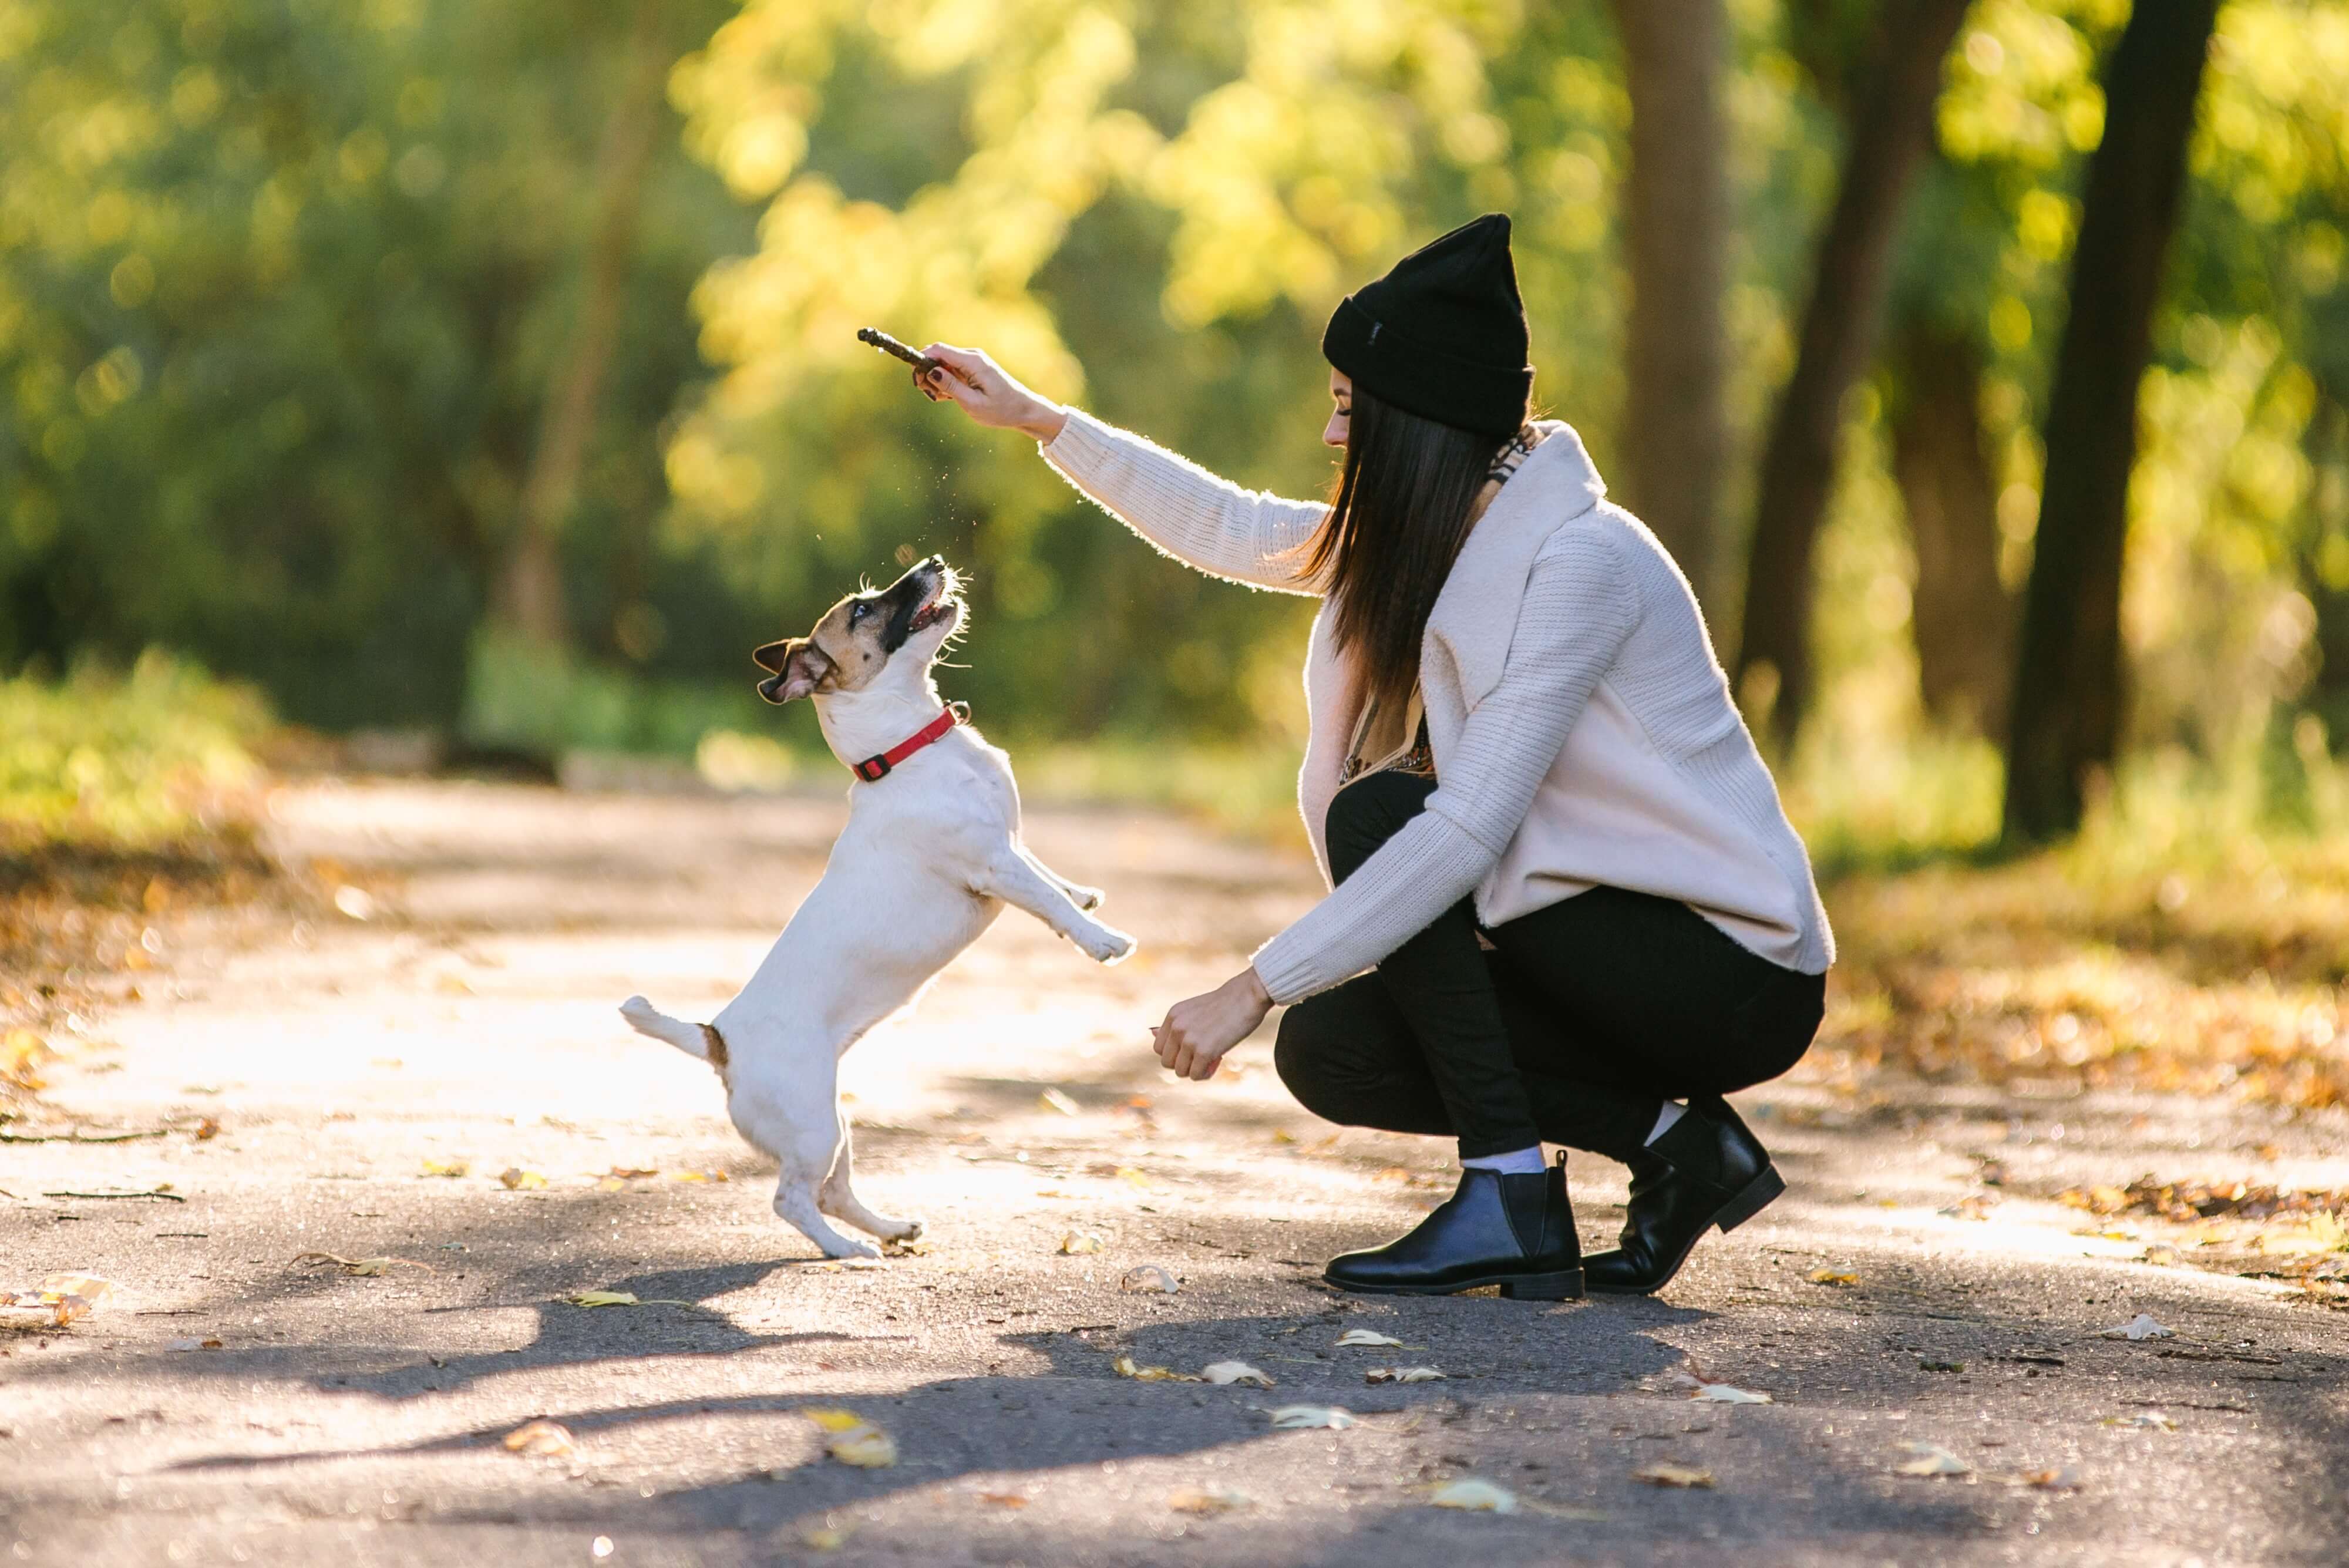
{"x": 856, "y": 611}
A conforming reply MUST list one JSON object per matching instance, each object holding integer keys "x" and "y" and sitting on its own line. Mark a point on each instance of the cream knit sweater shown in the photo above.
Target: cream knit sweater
{"x": 1582, "y": 728}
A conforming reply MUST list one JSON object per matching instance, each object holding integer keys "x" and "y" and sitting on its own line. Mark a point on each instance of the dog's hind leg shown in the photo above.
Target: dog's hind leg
{"x": 1018, "y": 880}
{"x": 796, "y": 1200}
{"x": 839, "y": 1200}
{"x": 1083, "y": 896}
{"x": 807, "y": 1148}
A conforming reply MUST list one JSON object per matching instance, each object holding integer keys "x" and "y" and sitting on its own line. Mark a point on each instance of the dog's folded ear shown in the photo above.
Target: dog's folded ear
{"x": 799, "y": 666}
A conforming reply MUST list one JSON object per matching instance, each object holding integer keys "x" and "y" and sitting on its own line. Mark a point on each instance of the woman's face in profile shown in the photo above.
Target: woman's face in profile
{"x": 1341, "y": 394}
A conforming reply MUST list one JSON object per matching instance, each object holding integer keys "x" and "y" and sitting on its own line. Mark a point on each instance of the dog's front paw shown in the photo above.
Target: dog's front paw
{"x": 848, "y": 1249}
{"x": 1105, "y": 944}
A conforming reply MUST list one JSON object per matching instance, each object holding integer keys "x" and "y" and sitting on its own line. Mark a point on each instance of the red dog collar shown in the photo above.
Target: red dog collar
{"x": 873, "y": 770}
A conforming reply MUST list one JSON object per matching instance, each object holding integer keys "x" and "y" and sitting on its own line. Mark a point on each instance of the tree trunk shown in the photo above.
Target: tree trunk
{"x": 1675, "y": 222}
{"x": 2067, "y": 678}
{"x": 1891, "y": 127}
{"x": 1964, "y": 617}
{"x": 528, "y": 598}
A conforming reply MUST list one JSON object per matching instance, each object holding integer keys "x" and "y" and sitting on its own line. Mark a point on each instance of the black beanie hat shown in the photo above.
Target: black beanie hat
{"x": 1443, "y": 334}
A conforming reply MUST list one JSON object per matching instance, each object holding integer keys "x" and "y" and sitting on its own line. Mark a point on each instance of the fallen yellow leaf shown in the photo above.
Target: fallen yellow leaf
{"x": 1234, "y": 1372}
{"x": 1476, "y": 1496}
{"x": 1054, "y": 1100}
{"x": 1198, "y": 1500}
{"x": 541, "y": 1438}
{"x": 1665, "y": 1473}
{"x": 515, "y": 1179}
{"x": 1833, "y": 1277}
{"x": 854, "y": 1440}
{"x": 450, "y": 1167}
{"x": 1077, "y": 1241}
{"x": 1148, "y": 1277}
{"x": 1124, "y": 1366}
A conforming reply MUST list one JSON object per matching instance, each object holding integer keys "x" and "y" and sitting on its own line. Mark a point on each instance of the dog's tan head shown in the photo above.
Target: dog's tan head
{"x": 865, "y": 635}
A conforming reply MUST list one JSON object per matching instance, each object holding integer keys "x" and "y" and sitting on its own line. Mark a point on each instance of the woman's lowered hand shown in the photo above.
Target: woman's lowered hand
{"x": 988, "y": 393}
{"x": 1198, "y": 1032}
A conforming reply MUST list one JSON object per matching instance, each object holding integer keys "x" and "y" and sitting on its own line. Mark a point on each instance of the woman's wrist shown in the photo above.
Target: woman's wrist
{"x": 1044, "y": 423}
{"x": 1256, "y": 990}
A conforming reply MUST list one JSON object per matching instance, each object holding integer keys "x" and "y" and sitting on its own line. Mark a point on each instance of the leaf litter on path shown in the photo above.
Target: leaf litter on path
{"x": 514, "y": 1178}
{"x": 1149, "y": 1277}
{"x": 2145, "y": 1421}
{"x": 194, "y": 1343}
{"x": 1833, "y": 1277}
{"x": 1296, "y": 1418}
{"x": 1234, "y": 1372}
{"x": 1372, "y": 1337}
{"x": 1705, "y": 1390}
{"x": 2141, "y": 1326}
{"x": 1402, "y": 1375}
{"x": 64, "y": 1297}
{"x": 1930, "y": 1460}
{"x": 1076, "y": 1243}
{"x": 1204, "y": 1500}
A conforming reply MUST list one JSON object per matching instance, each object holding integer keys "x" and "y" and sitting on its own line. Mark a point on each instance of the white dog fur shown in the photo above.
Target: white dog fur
{"x": 929, "y": 856}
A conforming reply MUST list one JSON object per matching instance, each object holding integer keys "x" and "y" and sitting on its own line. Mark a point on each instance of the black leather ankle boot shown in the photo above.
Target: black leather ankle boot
{"x": 1708, "y": 1169}
{"x": 1514, "y": 1232}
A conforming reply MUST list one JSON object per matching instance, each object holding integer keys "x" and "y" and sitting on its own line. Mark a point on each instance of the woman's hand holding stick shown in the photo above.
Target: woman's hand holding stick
{"x": 987, "y": 392}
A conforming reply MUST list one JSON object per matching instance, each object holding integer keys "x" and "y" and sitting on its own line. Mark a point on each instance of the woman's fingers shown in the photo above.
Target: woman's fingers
{"x": 967, "y": 365}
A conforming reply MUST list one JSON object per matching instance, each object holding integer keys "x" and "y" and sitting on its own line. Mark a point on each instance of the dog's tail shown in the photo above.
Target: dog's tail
{"x": 700, "y": 1040}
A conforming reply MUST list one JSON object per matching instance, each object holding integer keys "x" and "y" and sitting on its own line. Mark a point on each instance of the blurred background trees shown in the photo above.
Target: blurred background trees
{"x": 490, "y": 367}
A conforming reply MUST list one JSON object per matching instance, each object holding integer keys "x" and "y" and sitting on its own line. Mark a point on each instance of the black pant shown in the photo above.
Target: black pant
{"x": 1586, "y": 1016}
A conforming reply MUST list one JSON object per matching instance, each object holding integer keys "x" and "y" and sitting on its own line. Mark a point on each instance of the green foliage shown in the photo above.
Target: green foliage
{"x": 545, "y": 699}
{"x": 285, "y": 287}
{"x": 107, "y": 760}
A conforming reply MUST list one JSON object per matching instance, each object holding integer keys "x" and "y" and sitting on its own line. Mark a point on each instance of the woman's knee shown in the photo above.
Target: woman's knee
{"x": 1367, "y": 813}
{"x": 1301, "y": 1056}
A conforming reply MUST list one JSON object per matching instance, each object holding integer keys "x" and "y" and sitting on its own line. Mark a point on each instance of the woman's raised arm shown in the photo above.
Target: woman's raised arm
{"x": 1201, "y": 520}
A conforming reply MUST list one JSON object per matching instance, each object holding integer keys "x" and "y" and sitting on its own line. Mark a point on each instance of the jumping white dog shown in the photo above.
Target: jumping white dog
{"x": 930, "y": 856}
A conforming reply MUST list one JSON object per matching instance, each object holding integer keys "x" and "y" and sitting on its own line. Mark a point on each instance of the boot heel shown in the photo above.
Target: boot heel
{"x": 1564, "y": 1285}
{"x": 1758, "y": 1194}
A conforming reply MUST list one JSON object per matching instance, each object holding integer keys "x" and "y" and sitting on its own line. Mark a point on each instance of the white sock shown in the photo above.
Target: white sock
{"x": 1517, "y": 1162}
{"x": 1673, "y": 1111}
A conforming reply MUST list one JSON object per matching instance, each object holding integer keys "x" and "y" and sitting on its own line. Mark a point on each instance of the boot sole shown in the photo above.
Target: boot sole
{"x": 1755, "y": 1196}
{"x": 1565, "y": 1284}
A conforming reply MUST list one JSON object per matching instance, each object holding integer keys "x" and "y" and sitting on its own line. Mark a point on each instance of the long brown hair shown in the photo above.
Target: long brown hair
{"x": 1404, "y": 502}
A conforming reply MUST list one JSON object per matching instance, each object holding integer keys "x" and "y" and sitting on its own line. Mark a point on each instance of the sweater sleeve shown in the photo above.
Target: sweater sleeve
{"x": 1203, "y": 521}
{"x": 1578, "y": 610}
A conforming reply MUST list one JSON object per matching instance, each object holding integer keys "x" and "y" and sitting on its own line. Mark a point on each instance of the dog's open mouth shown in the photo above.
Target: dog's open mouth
{"x": 937, "y": 603}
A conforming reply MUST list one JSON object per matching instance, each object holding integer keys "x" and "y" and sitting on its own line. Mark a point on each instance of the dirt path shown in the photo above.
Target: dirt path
{"x": 469, "y": 1021}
